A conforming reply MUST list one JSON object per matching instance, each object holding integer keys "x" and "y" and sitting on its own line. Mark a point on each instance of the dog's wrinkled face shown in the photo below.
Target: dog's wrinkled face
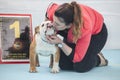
{"x": 46, "y": 28}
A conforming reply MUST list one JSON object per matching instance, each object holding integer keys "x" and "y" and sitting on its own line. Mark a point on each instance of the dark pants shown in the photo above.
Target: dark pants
{"x": 91, "y": 58}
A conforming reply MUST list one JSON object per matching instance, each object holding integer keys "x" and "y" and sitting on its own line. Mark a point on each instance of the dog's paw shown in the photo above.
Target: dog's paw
{"x": 31, "y": 71}
{"x": 55, "y": 69}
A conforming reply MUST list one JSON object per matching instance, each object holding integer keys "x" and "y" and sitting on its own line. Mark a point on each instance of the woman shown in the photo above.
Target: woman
{"x": 84, "y": 34}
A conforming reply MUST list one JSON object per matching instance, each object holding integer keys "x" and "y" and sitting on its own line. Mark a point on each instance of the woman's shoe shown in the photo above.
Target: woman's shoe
{"x": 103, "y": 61}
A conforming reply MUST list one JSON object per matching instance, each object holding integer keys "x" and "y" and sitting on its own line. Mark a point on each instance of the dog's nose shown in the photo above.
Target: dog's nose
{"x": 49, "y": 26}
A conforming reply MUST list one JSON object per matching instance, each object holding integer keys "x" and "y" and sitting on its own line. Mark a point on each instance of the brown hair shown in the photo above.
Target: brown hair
{"x": 71, "y": 13}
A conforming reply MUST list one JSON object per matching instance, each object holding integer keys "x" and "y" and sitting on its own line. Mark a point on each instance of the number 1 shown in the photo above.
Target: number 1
{"x": 16, "y": 27}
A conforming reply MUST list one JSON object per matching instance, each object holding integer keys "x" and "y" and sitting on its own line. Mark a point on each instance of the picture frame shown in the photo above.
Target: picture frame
{"x": 15, "y": 37}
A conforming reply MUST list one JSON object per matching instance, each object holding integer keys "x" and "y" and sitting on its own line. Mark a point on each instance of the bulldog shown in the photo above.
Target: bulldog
{"x": 40, "y": 46}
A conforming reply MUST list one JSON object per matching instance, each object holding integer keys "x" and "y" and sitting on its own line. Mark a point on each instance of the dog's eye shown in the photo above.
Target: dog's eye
{"x": 47, "y": 24}
{"x": 42, "y": 25}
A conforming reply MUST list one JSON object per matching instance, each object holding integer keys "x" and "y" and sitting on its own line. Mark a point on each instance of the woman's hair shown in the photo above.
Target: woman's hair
{"x": 71, "y": 13}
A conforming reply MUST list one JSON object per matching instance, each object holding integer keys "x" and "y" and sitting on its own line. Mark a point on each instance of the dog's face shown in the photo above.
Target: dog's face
{"x": 45, "y": 28}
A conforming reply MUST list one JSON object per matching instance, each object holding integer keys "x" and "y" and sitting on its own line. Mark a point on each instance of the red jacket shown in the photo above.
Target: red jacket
{"x": 92, "y": 24}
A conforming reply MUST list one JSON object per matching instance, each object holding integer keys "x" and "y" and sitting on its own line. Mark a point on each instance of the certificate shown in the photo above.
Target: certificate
{"x": 15, "y": 37}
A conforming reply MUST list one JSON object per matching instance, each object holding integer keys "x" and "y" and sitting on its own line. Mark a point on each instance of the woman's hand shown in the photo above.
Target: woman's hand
{"x": 53, "y": 39}
{"x": 58, "y": 39}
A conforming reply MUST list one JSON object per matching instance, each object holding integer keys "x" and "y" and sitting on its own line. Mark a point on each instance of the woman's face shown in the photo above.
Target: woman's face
{"x": 59, "y": 23}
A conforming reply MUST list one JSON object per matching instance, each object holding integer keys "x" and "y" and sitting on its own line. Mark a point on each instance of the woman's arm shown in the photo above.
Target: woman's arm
{"x": 64, "y": 47}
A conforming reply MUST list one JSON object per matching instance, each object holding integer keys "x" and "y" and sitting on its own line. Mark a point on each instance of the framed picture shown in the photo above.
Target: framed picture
{"x": 15, "y": 37}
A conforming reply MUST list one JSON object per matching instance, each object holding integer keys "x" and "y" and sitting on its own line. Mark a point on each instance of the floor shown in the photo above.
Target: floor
{"x": 20, "y": 71}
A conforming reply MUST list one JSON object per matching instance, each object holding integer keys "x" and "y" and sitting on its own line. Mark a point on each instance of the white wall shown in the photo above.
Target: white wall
{"x": 109, "y": 9}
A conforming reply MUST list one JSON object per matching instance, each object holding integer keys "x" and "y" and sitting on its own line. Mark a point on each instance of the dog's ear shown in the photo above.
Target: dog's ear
{"x": 37, "y": 29}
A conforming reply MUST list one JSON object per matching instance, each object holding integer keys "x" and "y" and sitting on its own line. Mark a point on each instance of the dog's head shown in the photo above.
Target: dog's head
{"x": 45, "y": 28}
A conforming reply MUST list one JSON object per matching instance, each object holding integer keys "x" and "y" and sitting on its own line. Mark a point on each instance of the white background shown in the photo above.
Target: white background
{"x": 108, "y": 8}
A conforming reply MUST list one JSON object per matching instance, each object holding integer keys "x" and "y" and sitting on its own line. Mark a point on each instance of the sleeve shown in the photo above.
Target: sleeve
{"x": 50, "y": 11}
{"x": 82, "y": 45}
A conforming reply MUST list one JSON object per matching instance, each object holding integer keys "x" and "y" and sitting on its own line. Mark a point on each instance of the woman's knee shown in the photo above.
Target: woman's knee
{"x": 66, "y": 67}
{"x": 82, "y": 68}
